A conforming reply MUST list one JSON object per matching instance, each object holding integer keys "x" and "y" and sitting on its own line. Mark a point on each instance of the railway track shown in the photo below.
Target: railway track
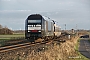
{"x": 23, "y": 45}
{"x": 13, "y": 47}
{"x": 26, "y": 43}
{"x": 12, "y": 42}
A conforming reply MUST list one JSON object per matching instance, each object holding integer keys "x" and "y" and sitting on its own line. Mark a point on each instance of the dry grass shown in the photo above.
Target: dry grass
{"x": 54, "y": 51}
{"x": 61, "y": 51}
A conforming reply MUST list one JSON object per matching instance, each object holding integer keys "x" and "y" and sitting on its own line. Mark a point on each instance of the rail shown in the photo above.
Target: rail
{"x": 28, "y": 44}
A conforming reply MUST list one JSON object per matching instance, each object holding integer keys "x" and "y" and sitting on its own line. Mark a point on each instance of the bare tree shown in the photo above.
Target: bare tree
{"x": 1, "y": 26}
{"x": 5, "y": 30}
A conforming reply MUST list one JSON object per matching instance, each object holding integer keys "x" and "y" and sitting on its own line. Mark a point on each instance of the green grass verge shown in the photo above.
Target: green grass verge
{"x": 81, "y": 57}
{"x": 89, "y": 40}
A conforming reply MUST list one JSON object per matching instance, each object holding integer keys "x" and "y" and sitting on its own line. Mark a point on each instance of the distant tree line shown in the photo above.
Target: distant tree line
{"x": 19, "y": 31}
{"x": 5, "y": 30}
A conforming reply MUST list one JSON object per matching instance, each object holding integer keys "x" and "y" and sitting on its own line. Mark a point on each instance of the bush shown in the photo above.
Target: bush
{"x": 5, "y": 30}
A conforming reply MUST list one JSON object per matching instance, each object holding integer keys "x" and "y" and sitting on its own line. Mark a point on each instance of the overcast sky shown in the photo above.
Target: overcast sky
{"x": 70, "y": 12}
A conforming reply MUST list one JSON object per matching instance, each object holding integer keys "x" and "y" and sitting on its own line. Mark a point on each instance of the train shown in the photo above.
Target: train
{"x": 39, "y": 26}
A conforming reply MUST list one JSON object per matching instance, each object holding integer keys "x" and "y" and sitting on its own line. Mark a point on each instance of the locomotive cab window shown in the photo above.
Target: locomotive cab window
{"x": 34, "y": 21}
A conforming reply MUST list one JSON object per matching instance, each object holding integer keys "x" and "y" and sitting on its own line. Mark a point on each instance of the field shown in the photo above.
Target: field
{"x": 5, "y": 38}
{"x": 9, "y": 37}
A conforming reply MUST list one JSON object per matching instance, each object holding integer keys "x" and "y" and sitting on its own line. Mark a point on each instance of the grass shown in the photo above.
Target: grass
{"x": 81, "y": 57}
{"x": 88, "y": 39}
{"x": 88, "y": 33}
{"x": 8, "y": 37}
{"x": 14, "y": 35}
{"x": 77, "y": 45}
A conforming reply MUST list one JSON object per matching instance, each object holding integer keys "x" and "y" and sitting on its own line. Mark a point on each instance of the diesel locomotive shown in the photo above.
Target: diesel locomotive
{"x": 38, "y": 26}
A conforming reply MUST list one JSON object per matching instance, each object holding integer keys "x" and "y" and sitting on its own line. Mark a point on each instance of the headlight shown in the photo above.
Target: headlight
{"x": 29, "y": 31}
{"x": 39, "y": 31}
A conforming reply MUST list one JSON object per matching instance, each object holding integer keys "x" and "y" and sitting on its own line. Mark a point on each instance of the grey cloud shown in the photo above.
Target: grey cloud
{"x": 70, "y": 12}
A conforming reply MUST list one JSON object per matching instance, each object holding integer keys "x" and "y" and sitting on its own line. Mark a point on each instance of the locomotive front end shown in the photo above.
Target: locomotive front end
{"x": 33, "y": 27}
